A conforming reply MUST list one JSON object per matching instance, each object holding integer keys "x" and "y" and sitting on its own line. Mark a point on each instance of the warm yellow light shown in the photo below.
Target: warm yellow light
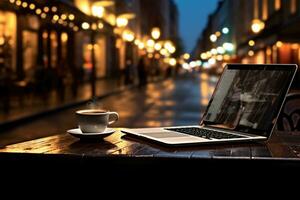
{"x": 38, "y": 11}
{"x": 155, "y": 33}
{"x": 172, "y": 49}
{"x": 55, "y": 17}
{"x": 269, "y": 52}
{"x": 251, "y": 43}
{"x": 43, "y": 15}
{"x": 128, "y": 36}
{"x": 251, "y": 53}
{"x": 150, "y": 50}
{"x": 46, "y": 9}
{"x": 208, "y": 54}
{"x": 257, "y": 25}
{"x": 2, "y": 40}
{"x": 75, "y": 28}
{"x": 203, "y": 56}
{"x": 105, "y": 3}
{"x": 186, "y": 56}
{"x": 137, "y": 42}
{"x": 168, "y": 45}
{"x": 94, "y": 26}
{"x": 64, "y": 37}
{"x": 122, "y": 22}
{"x": 12, "y": 1}
{"x": 219, "y": 57}
{"x": 172, "y": 62}
{"x": 100, "y": 25}
{"x": 32, "y": 6}
{"x": 45, "y": 35}
{"x": 157, "y": 56}
{"x": 163, "y": 52}
{"x": 150, "y": 43}
{"x": 18, "y": 3}
{"x": 150, "y": 55}
{"x": 85, "y": 25}
{"x": 279, "y": 44}
{"x": 54, "y": 9}
{"x": 90, "y": 46}
{"x": 218, "y": 33}
{"x": 141, "y": 45}
{"x": 157, "y": 46}
{"x": 295, "y": 46}
{"x": 71, "y": 17}
{"x": 213, "y": 38}
{"x": 63, "y": 16}
{"x": 24, "y": 4}
{"x": 226, "y": 57}
{"x": 98, "y": 11}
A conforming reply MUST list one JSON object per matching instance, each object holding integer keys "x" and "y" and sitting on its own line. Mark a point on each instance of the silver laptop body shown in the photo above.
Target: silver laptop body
{"x": 244, "y": 107}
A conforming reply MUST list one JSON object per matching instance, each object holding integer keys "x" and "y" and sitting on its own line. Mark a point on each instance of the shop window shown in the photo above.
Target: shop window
{"x": 30, "y": 47}
{"x": 100, "y": 56}
{"x": 8, "y": 23}
{"x": 277, "y": 4}
{"x": 53, "y": 45}
{"x": 293, "y": 6}
{"x": 64, "y": 46}
{"x": 265, "y": 10}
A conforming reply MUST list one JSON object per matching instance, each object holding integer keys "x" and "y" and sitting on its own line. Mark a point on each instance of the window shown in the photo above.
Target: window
{"x": 293, "y": 6}
{"x": 277, "y": 4}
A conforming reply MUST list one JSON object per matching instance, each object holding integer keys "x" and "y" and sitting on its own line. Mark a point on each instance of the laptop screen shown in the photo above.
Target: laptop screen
{"x": 248, "y": 97}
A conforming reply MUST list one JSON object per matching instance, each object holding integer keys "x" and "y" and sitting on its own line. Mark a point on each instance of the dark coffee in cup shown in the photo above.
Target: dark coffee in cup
{"x": 95, "y": 120}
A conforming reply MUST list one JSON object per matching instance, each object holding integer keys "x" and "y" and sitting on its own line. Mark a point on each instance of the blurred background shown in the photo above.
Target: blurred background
{"x": 60, "y": 54}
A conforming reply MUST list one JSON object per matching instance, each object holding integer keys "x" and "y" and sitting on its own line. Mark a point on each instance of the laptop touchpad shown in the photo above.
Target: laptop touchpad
{"x": 163, "y": 134}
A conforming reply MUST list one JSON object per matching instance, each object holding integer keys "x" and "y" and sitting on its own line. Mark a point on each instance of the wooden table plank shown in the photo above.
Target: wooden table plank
{"x": 281, "y": 146}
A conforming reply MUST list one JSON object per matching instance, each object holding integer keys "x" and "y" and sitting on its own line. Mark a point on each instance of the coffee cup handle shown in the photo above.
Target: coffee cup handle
{"x": 115, "y": 117}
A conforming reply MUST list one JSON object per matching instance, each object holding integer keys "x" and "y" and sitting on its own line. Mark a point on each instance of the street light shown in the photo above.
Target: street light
{"x": 213, "y": 38}
{"x": 155, "y": 33}
{"x": 122, "y": 22}
{"x": 128, "y": 35}
{"x": 98, "y": 11}
{"x": 225, "y": 30}
{"x": 257, "y": 25}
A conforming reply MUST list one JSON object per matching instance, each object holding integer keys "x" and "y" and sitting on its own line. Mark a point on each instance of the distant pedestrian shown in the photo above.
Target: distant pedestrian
{"x": 142, "y": 73}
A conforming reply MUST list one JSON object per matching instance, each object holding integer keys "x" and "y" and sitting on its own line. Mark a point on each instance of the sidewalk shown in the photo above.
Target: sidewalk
{"x": 32, "y": 106}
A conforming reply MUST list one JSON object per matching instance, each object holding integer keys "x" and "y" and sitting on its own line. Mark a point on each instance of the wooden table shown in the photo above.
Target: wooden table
{"x": 121, "y": 154}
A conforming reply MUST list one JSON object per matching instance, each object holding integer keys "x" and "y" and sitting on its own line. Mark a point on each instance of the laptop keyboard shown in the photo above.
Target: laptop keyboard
{"x": 204, "y": 133}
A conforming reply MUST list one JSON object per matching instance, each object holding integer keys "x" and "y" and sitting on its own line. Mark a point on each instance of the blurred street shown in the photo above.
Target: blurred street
{"x": 159, "y": 69}
{"x": 166, "y": 103}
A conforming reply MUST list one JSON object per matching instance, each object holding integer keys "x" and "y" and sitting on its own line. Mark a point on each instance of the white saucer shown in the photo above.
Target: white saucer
{"x": 78, "y": 133}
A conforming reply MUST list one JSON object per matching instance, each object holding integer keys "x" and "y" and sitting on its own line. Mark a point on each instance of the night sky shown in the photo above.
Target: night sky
{"x": 193, "y": 18}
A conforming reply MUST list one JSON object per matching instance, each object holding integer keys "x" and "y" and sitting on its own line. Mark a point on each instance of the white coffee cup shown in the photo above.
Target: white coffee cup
{"x": 95, "y": 120}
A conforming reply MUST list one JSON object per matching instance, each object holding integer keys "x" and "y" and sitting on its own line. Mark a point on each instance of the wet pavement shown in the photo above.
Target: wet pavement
{"x": 167, "y": 103}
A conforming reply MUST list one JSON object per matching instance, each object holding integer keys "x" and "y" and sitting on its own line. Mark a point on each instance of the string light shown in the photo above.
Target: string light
{"x": 71, "y": 17}
{"x": 18, "y": 3}
{"x": 24, "y": 4}
{"x": 38, "y": 11}
{"x": 54, "y": 9}
{"x": 32, "y": 6}
{"x": 46, "y": 9}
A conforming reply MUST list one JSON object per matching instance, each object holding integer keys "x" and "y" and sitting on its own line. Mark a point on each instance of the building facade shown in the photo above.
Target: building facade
{"x": 59, "y": 42}
{"x": 260, "y": 31}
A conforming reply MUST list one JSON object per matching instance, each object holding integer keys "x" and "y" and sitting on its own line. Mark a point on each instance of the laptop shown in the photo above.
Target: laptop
{"x": 244, "y": 107}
